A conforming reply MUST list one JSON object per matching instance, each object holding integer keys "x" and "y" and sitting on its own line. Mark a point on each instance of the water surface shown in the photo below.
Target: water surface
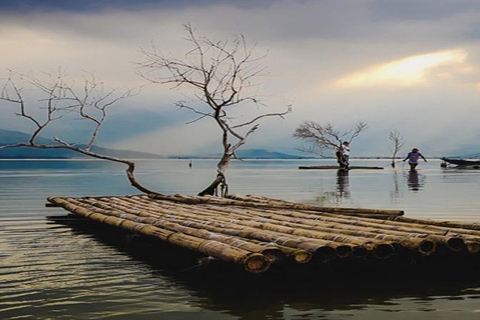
{"x": 55, "y": 268}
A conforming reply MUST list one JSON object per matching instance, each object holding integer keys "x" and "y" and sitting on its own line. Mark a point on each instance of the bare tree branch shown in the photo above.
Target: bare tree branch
{"x": 321, "y": 138}
{"x": 92, "y": 105}
{"x": 398, "y": 143}
{"x": 219, "y": 74}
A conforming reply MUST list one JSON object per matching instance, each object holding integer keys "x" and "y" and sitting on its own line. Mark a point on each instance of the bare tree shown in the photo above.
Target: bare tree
{"x": 398, "y": 143}
{"x": 220, "y": 76}
{"x": 319, "y": 138}
{"x": 90, "y": 103}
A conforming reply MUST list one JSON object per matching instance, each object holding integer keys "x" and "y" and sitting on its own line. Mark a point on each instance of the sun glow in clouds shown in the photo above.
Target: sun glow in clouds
{"x": 404, "y": 72}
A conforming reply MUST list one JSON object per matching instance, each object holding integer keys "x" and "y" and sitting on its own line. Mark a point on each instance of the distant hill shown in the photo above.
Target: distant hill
{"x": 248, "y": 154}
{"x": 11, "y": 137}
{"x": 467, "y": 156}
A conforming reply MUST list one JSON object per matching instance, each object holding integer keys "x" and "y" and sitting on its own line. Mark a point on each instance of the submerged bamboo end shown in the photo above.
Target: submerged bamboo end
{"x": 343, "y": 251}
{"x": 455, "y": 244}
{"x": 359, "y": 251}
{"x": 325, "y": 254}
{"x": 427, "y": 247}
{"x": 383, "y": 251}
{"x": 302, "y": 256}
{"x": 473, "y": 247}
{"x": 274, "y": 255}
{"x": 256, "y": 263}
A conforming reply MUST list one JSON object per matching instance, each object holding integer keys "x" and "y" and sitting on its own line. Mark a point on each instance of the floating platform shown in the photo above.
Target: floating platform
{"x": 260, "y": 233}
{"x": 337, "y": 167}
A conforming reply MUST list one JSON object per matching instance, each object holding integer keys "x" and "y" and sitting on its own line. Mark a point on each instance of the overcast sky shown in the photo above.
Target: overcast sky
{"x": 410, "y": 65}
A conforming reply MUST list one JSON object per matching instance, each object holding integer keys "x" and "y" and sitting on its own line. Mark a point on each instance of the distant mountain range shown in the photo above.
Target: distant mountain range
{"x": 248, "y": 154}
{"x": 11, "y": 137}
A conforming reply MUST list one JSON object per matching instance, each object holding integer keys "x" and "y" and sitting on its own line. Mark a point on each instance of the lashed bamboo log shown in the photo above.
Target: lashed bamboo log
{"x": 337, "y": 167}
{"x": 342, "y": 250}
{"x": 272, "y": 253}
{"x": 445, "y": 224}
{"x": 299, "y": 255}
{"x": 414, "y": 225}
{"x": 252, "y": 262}
{"x": 323, "y": 250}
{"x": 453, "y": 242}
{"x": 440, "y": 227}
{"x": 425, "y": 246}
{"x": 295, "y": 206}
{"x": 382, "y": 249}
{"x": 271, "y": 222}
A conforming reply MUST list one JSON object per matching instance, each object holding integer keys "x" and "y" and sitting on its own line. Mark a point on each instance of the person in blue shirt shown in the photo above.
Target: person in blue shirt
{"x": 413, "y": 157}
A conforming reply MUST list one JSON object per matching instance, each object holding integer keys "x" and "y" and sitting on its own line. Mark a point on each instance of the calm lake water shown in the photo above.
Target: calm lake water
{"x": 52, "y": 267}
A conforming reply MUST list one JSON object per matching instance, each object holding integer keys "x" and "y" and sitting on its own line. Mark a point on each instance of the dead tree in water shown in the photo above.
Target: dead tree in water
{"x": 398, "y": 143}
{"x": 89, "y": 102}
{"x": 319, "y": 138}
{"x": 220, "y": 75}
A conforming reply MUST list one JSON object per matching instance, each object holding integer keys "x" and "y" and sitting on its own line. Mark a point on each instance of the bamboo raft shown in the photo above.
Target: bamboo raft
{"x": 337, "y": 167}
{"x": 258, "y": 233}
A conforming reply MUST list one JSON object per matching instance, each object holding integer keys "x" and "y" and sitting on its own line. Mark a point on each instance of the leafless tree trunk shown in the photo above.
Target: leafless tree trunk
{"x": 220, "y": 76}
{"x": 398, "y": 143}
{"x": 90, "y": 102}
{"x": 318, "y": 138}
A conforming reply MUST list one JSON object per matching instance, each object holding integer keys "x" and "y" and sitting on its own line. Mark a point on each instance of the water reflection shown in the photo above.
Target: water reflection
{"x": 223, "y": 292}
{"x": 57, "y": 271}
{"x": 415, "y": 181}
{"x": 395, "y": 192}
{"x": 343, "y": 183}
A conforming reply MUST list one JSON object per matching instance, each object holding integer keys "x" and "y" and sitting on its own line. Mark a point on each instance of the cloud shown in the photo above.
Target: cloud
{"x": 409, "y": 71}
{"x": 421, "y": 10}
{"x": 397, "y": 64}
{"x": 181, "y": 139}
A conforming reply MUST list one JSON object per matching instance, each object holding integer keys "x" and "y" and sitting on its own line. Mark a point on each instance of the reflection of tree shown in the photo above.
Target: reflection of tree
{"x": 396, "y": 188}
{"x": 415, "y": 181}
{"x": 341, "y": 191}
{"x": 343, "y": 184}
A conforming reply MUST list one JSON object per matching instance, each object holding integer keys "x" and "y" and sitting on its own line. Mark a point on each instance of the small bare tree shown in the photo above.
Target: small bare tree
{"x": 90, "y": 102}
{"x": 319, "y": 138}
{"x": 220, "y": 75}
{"x": 398, "y": 143}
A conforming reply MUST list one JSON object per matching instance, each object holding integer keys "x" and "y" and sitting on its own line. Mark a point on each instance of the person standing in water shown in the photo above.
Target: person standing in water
{"x": 343, "y": 155}
{"x": 413, "y": 157}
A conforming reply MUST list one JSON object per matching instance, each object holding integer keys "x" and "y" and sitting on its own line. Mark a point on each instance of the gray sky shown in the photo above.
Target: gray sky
{"x": 410, "y": 65}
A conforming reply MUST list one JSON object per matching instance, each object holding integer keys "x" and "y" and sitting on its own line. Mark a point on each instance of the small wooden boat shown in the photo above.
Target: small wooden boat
{"x": 462, "y": 162}
{"x": 337, "y": 167}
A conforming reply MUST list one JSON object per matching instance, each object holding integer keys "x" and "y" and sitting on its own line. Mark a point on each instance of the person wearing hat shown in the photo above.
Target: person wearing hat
{"x": 413, "y": 157}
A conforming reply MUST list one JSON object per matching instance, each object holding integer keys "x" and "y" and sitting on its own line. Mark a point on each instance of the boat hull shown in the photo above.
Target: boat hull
{"x": 462, "y": 162}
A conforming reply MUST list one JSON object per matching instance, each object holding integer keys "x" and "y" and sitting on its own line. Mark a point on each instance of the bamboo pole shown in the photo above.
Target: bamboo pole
{"x": 384, "y": 250}
{"x": 323, "y": 250}
{"x": 252, "y": 262}
{"x": 296, "y": 206}
{"x": 419, "y": 242}
{"x": 454, "y": 242}
{"x": 421, "y": 229}
{"x": 272, "y": 253}
{"x": 342, "y": 250}
{"x": 298, "y": 255}
{"x": 445, "y": 224}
